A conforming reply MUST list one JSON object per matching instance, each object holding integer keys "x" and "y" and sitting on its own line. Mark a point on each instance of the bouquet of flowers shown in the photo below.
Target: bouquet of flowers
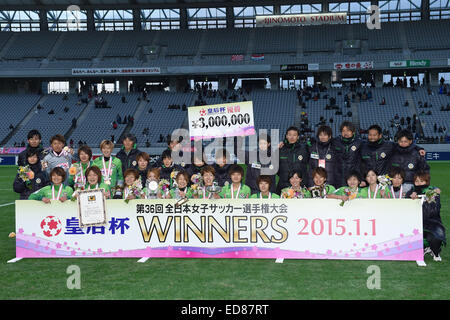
{"x": 173, "y": 175}
{"x": 196, "y": 178}
{"x": 75, "y": 171}
{"x": 431, "y": 195}
{"x": 26, "y": 174}
{"x": 350, "y": 193}
{"x": 135, "y": 189}
{"x": 292, "y": 194}
{"x": 164, "y": 186}
{"x": 384, "y": 181}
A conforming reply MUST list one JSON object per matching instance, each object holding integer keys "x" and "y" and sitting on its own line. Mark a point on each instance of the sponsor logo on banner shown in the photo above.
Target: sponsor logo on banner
{"x": 397, "y": 64}
{"x": 294, "y": 67}
{"x": 436, "y": 156}
{"x": 257, "y": 57}
{"x": 418, "y": 63}
{"x": 353, "y": 65}
{"x": 11, "y": 150}
{"x": 409, "y": 63}
{"x": 8, "y": 160}
{"x": 448, "y": 61}
{"x": 109, "y": 71}
{"x": 237, "y": 57}
{"x": 301, "y": 19}
{"x": 299, "y": 67}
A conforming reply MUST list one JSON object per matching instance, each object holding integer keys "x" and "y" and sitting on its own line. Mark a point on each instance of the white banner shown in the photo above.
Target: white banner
{"x": 397, "y": 64}
{"x": 116, "y": 71}
{"x": 353, "y": 65}
{"x": 221, "y": 120}
{"x": 362, "y": 229}
{"x": 301, "y": 19}
{"x": 313, "y": 66}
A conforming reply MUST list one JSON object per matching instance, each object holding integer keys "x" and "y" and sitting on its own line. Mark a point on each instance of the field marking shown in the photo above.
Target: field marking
{"x": 142, "y": 260}
{"x": 279, "y": 260}
{"x": 6, "y": 204}
{"x": 14, "y": 260}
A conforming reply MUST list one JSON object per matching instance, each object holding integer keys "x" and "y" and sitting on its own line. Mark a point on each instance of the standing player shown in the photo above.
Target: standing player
{"x": 324, "y": 153}
{"x": 350, "y": 147}
{"x": 293, "y": 156}
{"x": 111, "y": 168}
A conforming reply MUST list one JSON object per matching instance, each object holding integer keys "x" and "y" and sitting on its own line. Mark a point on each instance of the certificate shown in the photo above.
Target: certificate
{"x": 91, "y": 208}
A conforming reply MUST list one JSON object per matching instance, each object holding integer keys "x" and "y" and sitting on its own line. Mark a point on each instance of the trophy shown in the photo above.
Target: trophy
{"x": 317, "y": 191}
{"x": 44, "y": 164}
{"x": 214, "y": 189}
{"x": 152, "y": 189}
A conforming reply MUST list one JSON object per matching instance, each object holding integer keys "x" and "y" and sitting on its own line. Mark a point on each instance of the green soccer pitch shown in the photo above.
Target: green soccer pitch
{"x": 220, "y": 279}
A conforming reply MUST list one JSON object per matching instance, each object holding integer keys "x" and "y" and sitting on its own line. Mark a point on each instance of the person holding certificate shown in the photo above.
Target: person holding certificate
{"x": 56, "y": 191}
{"x": 94, "y": 181}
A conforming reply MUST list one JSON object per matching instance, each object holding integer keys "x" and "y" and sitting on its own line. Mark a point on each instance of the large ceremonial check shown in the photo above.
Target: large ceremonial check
{"x": 248, "y": 228}
{"x": 221, "y": 120}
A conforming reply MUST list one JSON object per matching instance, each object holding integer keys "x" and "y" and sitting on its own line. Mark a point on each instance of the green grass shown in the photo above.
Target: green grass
{"x": 218, "y": 278}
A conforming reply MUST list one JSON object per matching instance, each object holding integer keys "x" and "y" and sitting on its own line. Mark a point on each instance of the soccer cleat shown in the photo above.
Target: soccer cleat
{"x": 436, "y": 257}
{"x": 427, "y": 250}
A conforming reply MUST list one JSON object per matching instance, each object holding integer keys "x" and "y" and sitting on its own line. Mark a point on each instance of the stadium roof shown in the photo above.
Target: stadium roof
{"x": 111, "y": 4}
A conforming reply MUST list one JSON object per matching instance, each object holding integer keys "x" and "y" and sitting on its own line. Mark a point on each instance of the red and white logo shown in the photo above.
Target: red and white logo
{"x": 203, "y": 112}
{"x": 51, "y": 226}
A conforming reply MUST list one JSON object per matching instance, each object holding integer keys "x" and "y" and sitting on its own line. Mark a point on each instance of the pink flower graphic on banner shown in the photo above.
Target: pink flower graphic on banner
{"x": 416, "y": 232}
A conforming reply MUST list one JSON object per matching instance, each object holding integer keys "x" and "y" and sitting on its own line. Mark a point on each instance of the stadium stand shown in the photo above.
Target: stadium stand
{"x": 161, "y": 120}
{"x": 12, "y": 114}
{"x": 98, "y": 120}
{"x": 59, "y": 121}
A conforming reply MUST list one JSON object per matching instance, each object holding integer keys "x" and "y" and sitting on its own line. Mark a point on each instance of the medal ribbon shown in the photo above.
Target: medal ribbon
{"x": 232, "y": 192}
{"x": 59, "y": 192}
{"x": 107, "y": 173}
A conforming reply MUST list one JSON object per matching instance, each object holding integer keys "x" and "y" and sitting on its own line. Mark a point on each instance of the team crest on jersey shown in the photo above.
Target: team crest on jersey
{"x": 183, "y": 164}
{"x": 328, "y": 156}
{"x": 38, "y": 180}
{"x": 134, "y": 163}
{"x": 300, "y": 157}
{"x": 410, "y": 166}
{"x": 271, "y": 167}
{"x": 353, "y": 148}
{"x": 64, "y": 165}
{"x": 383, "y": 155}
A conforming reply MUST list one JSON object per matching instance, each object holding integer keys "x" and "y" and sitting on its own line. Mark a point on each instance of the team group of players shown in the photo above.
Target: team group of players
{"x": 344, "y": 167}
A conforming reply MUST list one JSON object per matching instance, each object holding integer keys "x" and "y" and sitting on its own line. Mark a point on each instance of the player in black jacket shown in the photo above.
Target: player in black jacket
{"x": 324, "y": 153}
{"x": 40, "y": 179}
{"x": 34, "y": 144}
{"x": 376, "y": 152}
{"x": 293, "y": 155}
{"x": 407, "y": 158}
{"x": 254, "y": 167}
{"x": 128, "y": 153}
{"x": 350, "y": 147}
